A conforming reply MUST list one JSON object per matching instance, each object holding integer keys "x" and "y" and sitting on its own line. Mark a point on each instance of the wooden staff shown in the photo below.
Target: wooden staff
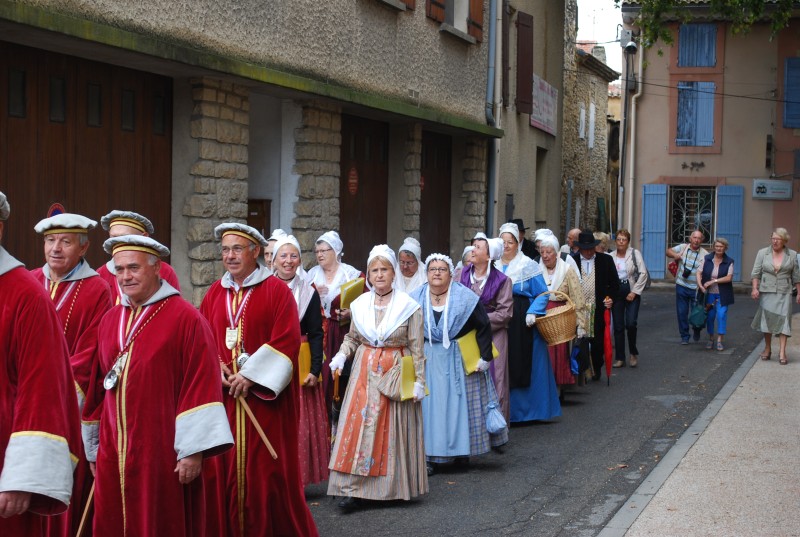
{"x": 336, "y": 375}
{"x": 254, "y": 421}
{"x": 86, "y": 511}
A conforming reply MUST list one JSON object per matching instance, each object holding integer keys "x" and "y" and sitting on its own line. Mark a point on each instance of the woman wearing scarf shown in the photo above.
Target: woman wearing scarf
{"x": 412, "y": 274}
{"x": 454, "y": 415}
{"x": 494, "y": 290}
{"x": 379, "y": 452}
{"x": 328, "y": 277}
{"x": 559, "y": 277}
{"x": 312, "y": 433}
{"x": 534, "y": 395}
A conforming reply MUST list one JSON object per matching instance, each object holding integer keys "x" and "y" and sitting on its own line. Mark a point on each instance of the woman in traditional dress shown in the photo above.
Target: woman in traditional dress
{"x": 379, "y": 452}
{"x": 454, "y": 415}
{"x": 560, "y": 277}
{"x": 412, "y": 273}
{"x": 312, "y": 433}
{"x": 775, "y": 271}
{"x": 494, "y": 290}
{"x": 328, "y": 276}
{"x": 534, "y": 395}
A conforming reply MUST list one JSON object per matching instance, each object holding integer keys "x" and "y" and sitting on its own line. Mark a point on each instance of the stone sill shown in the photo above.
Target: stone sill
{"x": 452, "y": 30}
{"x": 396, "y": 4}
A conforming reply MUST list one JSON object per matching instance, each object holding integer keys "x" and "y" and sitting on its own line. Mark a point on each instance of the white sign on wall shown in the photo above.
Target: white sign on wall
{"x": 545, "y": 106}
{"x": 772, "y": 189}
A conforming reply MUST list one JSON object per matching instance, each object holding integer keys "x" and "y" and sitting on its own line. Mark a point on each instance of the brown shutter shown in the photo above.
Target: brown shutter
{"x": 506, "y": 45}
{"x": 435, "y": 9}
{"x": 410, "y": 4}
{"x": 524, "y": 100}
{"x": 475, "y": 19}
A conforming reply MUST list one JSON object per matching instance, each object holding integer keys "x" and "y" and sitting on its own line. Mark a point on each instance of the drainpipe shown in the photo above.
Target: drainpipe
{"x": 632, "y": 167}
{"x": 492, "y": 163}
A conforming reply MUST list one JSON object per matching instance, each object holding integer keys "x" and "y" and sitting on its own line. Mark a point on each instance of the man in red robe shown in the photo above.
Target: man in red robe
{"x": 154, "y": 409}
{"x": 81, "y": 298}
{"x": 39, "y": 428}
{"x": 118, "y": 224}
{"x": 257, "y": 330}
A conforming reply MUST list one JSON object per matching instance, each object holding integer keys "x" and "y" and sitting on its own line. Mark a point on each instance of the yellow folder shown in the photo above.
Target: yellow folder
{"x": 350, "y": 291}
{"x": 304, "y": 362}
{"x": 407, "y": 378}
{"x": 470, "y": 353}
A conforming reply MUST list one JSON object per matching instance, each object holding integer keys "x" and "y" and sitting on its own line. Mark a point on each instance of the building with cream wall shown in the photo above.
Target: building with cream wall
{"x": 673, "y": 185}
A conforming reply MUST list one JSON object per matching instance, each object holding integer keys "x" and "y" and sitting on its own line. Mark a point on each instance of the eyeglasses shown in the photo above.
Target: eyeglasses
{"x": 322, "y": 251}
{"x": 440, "y": 270}
{"x": 235, "y": 249}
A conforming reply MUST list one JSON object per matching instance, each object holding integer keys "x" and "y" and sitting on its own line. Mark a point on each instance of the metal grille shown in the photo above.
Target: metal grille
{"x": 691, "y": 208}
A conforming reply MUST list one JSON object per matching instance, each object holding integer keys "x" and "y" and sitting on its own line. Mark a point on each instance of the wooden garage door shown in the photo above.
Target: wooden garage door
{"x": 91, "y": 136}
{"x": 435, "y": 204}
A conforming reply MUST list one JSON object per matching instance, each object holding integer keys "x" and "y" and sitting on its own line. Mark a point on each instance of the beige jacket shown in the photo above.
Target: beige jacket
{"x": 637, "y": 287}
{"x": 770, "y": 281}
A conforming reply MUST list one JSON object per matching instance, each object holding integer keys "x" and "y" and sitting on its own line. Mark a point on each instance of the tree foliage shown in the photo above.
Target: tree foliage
{"x": 654, "y": 15}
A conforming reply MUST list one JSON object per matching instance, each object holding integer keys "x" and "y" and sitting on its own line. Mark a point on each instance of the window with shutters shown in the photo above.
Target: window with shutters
{"x": 696, "y": 86}
{"x": 462, "y": 18}
{"x": 524, "y": 96}
{"x": 791, "y": 93}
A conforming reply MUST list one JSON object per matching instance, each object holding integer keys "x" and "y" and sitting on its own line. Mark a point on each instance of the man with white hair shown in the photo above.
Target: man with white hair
{"x": 256, "y": 326}
{"x": 154, "y": 411}
{"x": 81, "y": 298}
{"x": 570, "y": 247}
{"x": 39, "y": 425}
{"x": 120, "y": 223}
{"x": 412, "y": 273}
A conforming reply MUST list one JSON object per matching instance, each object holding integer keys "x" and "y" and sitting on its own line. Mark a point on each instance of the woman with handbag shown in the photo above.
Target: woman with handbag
{"x": 633, "y": 278}
{"x": 775, "y": 272}
{"x": 715, "y": 280}
{"x": 379, "y": 453}
{"x": 312, "y": 433}
{"x": 454, "y": 415}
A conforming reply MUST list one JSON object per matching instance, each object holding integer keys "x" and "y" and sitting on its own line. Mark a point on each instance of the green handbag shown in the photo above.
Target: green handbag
{"x": 698, "y": 315}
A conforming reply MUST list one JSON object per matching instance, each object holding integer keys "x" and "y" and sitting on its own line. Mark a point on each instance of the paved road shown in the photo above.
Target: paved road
{"x": 569, "y": 476}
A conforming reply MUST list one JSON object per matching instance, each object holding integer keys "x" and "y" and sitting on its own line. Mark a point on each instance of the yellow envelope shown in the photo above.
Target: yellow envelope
{"x": 350, "y": 291}
{"x": 470, "y": 353}
{"x": 407, "y": 378}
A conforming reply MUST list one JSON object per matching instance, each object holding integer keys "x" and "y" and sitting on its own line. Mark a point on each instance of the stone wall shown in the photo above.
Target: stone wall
{"x": 220, "y": 127}
{"x": 318, "y": 145}
{"x": 474, "y": 188}
{"x": 412, "y": 171}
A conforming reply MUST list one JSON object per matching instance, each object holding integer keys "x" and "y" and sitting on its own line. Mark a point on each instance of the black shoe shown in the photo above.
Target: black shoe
{"x": 696, "y": 335}
{"x": 431, "y": 469}
{"x": 596, "y": 377}
{"x": 350, "y": 504}
{"x": 499, "y": 449}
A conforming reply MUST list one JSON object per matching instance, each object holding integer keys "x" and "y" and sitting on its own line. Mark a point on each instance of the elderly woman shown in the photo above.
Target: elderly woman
{"x": 379, "y": 453}
{"x": 454, "y": 415}
{"x": 632, "y": 274}
{"x": 775, "y": 271}
{"x": 534, "y": 395}
{"x": 715, "y": 280}
{"x": 312, "y": 433}
{"x": 494, "y": 291}
{"x": 411, "y": 275}
{"x": 559, "y": 277}
{"x": 328, "y": 276}
{"x": 605, "y": 240}
{"x": 466, "y": 258}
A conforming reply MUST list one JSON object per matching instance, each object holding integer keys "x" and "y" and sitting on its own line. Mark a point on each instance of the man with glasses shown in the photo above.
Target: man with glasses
{"x": 690, "y": 258}
{"x": 255, "y": 489}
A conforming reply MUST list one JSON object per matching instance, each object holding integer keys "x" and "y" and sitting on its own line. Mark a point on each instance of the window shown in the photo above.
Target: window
{"x": 691, "y": 208}
{"x": 591, "y": 125}
{"x": 463, "y": 18}
{"x": 791, "y": 93}
{"x": 524, "y": 100}
{"x": 695, "y": 114}
{"x": 582, "y": 123}
{"x": 697, "y": 45}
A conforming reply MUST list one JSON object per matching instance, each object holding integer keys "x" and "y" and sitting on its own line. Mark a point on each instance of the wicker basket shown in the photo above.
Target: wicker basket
{"x": 559, "y": 324}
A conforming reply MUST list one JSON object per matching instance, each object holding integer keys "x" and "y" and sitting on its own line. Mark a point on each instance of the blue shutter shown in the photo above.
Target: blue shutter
{"x": 704, "y": 126}
{"x": 697, "y": 45}
{"x": 791, "y": 93}
{"x": 654, "y": 228}
{"x": 730, "y": 205}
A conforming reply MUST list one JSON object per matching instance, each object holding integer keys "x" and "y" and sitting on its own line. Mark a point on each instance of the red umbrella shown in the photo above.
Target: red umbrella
{"x": 607, "y": 351}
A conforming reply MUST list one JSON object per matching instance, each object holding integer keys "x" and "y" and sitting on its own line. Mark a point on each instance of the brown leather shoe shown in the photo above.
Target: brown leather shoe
{"x": 634, "y": 361}
{"x": 619, "y": 363}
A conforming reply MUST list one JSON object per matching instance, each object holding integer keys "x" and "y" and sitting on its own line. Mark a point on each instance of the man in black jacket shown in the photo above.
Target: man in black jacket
{"x": 527, "y": 247}
{"x": 600, "y": 283}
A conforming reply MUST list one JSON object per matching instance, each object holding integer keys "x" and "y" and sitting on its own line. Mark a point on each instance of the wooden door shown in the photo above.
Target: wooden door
{"x": 91, "y": 136}
{"x": 259, "y": 215}
{"x": 363, "y": 187}
{"x": 435, "y": 182}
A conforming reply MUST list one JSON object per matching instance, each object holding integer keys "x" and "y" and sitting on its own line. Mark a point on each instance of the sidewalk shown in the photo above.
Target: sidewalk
{"x": 736, "y": 469}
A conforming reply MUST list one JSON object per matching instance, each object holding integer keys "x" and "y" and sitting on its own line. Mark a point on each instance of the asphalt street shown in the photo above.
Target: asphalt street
{"x": 568, "y": 477}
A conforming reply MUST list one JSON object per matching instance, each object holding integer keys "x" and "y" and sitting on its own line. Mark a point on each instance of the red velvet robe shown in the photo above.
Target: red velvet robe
{"x": 80, "y": 306}
{"x": 172, "y": 374}
{"x": 106, "y": 272}
{"x": 37, "y": 398}
{"x": 269, "y": 500}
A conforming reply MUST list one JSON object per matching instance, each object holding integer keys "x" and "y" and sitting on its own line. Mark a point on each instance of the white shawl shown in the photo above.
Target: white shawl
{"x": 521, "y": 268}
{"x": 362, "y": 311}
{"x": 555, "y": 280}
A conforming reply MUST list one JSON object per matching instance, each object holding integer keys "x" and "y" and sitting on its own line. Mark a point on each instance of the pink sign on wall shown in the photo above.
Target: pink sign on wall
{"x": 545, "y": 106}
